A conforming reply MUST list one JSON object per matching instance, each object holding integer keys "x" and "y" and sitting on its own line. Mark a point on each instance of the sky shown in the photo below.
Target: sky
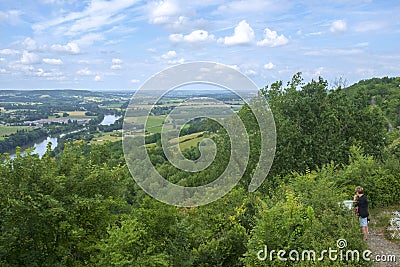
{"x": 119, "y": 44}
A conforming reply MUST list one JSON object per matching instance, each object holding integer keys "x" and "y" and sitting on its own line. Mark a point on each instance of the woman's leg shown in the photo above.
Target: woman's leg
{"x": 364, "y": 227}
{"x": 365, "y": 232}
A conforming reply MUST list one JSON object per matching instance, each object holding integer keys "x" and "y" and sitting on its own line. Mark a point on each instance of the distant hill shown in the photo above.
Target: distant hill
{"x": 383, "y": 92}
{"x": 37, "y": 94}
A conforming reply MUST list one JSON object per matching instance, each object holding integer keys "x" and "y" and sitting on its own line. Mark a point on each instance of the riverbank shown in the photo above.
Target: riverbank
{"x": 40, "y": 145}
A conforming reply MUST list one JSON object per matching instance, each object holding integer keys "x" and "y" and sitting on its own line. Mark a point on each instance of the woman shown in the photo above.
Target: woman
{"x": 361, "y": 202}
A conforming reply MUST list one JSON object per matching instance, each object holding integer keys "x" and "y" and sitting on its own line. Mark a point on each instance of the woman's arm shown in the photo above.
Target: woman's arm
{"x": 355, "y": 201}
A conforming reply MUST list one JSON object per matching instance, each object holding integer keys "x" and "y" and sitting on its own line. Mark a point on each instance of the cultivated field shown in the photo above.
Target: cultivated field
{"x": 73, "y": 115}
{"x": 7, "y": 130}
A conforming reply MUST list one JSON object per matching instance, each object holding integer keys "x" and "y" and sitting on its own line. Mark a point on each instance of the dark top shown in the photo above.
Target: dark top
{"x": 362, "y": 204}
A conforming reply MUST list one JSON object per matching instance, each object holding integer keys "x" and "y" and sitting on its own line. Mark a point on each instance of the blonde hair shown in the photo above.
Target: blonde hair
{"x": 359, "y": 190}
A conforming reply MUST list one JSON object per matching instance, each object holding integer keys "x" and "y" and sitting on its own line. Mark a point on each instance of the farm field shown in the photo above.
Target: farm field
{"x": 116, "y": 106}
{"x": 185, "y": 141}
{"x": 7, "y": 130}
{"x": 154, "y": 123}
{"x": 106, "y": 137}
{"x": 73, "y": 115}
{"x": 190, "y": 142}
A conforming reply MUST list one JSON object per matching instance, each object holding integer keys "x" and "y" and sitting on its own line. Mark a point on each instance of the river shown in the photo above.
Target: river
{"x": 109, "y": 119}
{"x": 40, "y": 147}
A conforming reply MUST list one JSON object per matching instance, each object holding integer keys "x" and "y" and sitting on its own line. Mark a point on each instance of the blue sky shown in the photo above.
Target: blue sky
{"x": 119, "y": 44}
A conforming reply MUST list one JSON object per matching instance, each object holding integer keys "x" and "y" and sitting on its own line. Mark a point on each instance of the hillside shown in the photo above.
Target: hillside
{"x": 384, "y": 92}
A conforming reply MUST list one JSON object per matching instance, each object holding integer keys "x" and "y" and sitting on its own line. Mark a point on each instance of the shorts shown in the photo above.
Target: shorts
{"x": 363, "y": 221}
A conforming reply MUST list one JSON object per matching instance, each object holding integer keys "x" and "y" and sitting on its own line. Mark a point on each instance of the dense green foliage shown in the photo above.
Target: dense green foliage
{"x": 384, "y": 92}
{"x": 53, "y": 212}
{"x": 84, "y": 209}
{"x": 316, "y": 125}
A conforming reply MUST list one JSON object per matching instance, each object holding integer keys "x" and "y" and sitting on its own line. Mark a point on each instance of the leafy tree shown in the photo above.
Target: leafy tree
{"x": 304, "y": 215}
{"x": 53, "y": 213}
{"x": 316, "y": 126}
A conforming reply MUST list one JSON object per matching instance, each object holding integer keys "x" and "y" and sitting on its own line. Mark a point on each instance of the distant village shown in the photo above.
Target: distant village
{"x": 42, "y": 122}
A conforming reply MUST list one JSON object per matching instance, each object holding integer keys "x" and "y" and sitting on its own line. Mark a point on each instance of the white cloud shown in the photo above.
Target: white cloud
{"x": 90, "y": 23}
{"x": 318, "y": 71}
{"x": 176, "y": 61}
{"x": 176, "y": 15}
{"x": 117, "y": 61}
{"x": 243, "y": 35}
{"x": 89, "y": 39}
{"x": 58, "y": 2}
{"x": 367, "y": 26}
{"x": 53, "y": 61}
{"x": 16, "y": 65}
{"x": 10, "y": 52}
{"x": 116, "y": 64}
{"x": 69, "y": 48}
{"x": 163, "y": 12}
{"x": 193, "y": 37}
{"x": 41, "y": 73}
{"x": 236, "y": 67}
{"x": 135, "y": 81}
{"x": 176, "y": 37}
{"x": 366, "y": 71}
{"x": 98, "y": 78}
{"x": 29, "y": 58}
{"x": 10, "y": 16}
{"x": 250, "y": 72}
{"x": 116, "y": 67}
{"x": 269, "y": 66}
{"x": 272, "y": 39}
{"x": 178, "y": 24}
{"x": 199, "y": 36}
{"x": 84, "y": 72}
{"x": 314, "y": 33}
{"x": 50, "y": 75}
{"x": 58, "y": 78}
{"x": 83, "y": 61}
{"x": 51, "y": 1}
{"x": 362, "y": 44}
{"x": 29, "y": 44}
{"x": 252, "y": 6}
{"x": 331, "y": 52}
{"x": 169, "y": 55}
{"x": 95, "y": 16}
{"x": 338, "y": 26}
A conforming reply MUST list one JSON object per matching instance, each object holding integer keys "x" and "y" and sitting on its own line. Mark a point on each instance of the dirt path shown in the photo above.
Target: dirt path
{"x": 381, "y": 247}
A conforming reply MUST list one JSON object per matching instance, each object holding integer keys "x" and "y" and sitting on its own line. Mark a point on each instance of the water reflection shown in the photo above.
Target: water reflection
{"x": 40, "y": 147}
{"x": 109, "y": 119}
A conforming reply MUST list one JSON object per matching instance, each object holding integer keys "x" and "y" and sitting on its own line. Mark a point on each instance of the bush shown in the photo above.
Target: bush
{"x": 304, "y": 216}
